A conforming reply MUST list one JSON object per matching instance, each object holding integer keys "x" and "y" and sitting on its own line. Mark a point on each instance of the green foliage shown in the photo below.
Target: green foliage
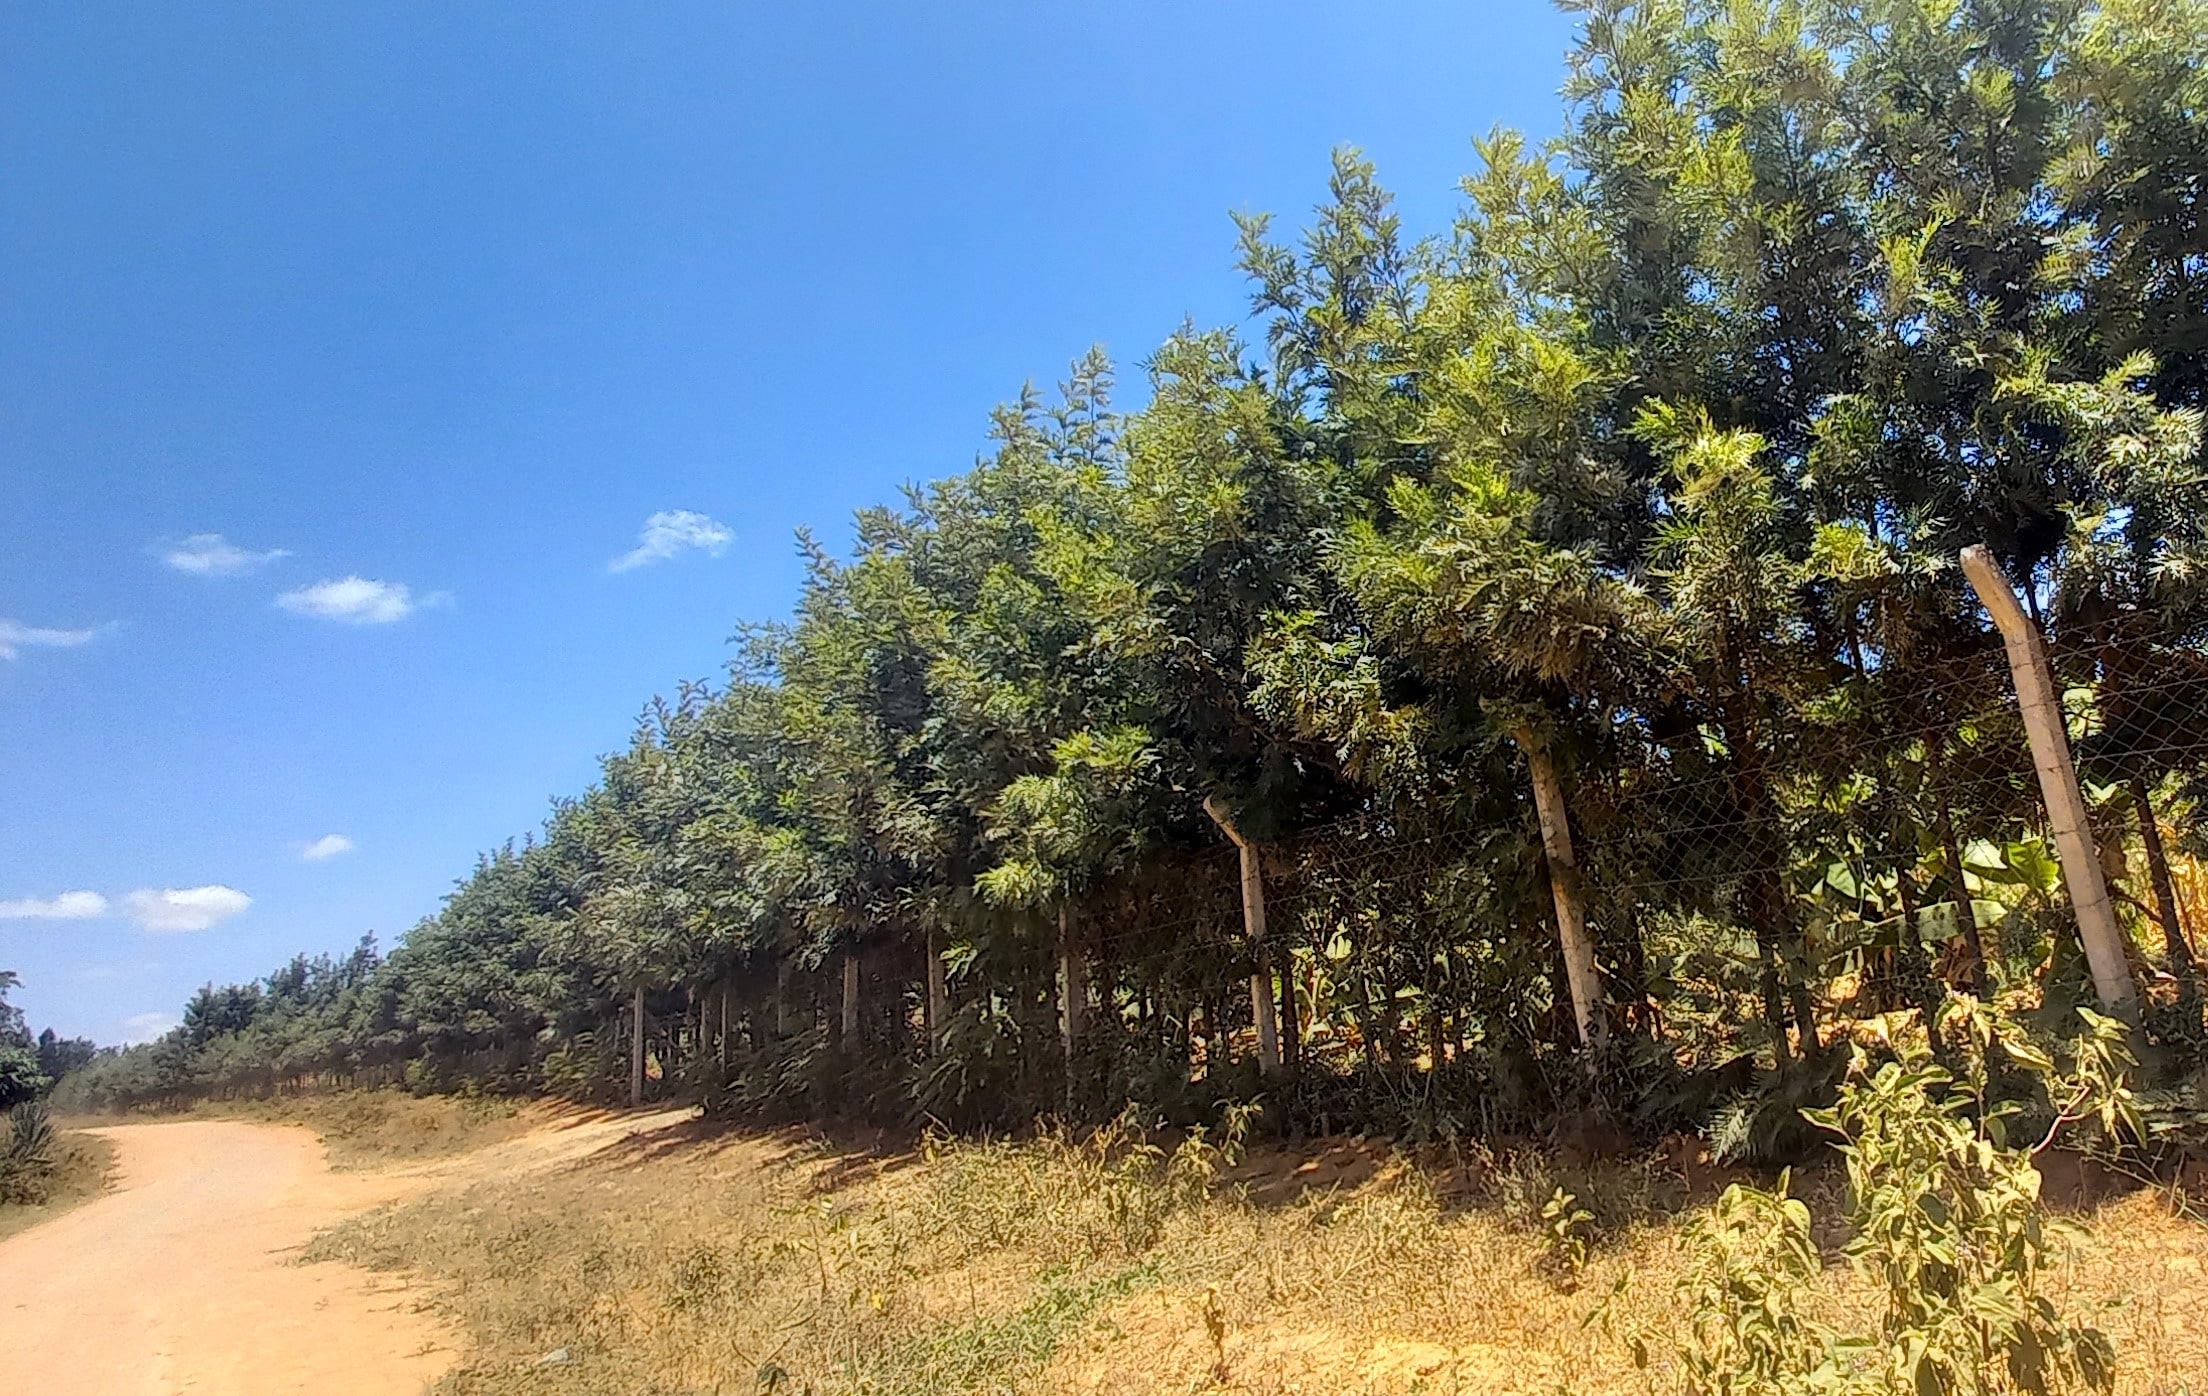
{"x": 1945, "y": 1206}
{"x": 1654, "y": 464}
{"x": 1649, "y": 475}
{"x": 23, "y": 1076}
{"x": 27, "y": 1153}
{"x": 1747, "y": 1335}
{"x": 1944, "y": 1218}
{"x": 20, "y": 1078}
{"x": 1564, "y": 1230}
{"x": 996, "y": 1351}
{"x": 58, "y": 1055}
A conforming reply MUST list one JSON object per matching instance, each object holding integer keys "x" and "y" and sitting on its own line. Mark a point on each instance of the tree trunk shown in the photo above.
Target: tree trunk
{"x": 850, "y": 1023}
{"x": 1766, "y": 891}
{"x": 1361, "y": 1017}
{"x": 939, "y": 992}
{"x": 636, "y": 1050}
{"x": 1633, "y": 952}
{"x": 1915, "y": 967}
{"x": 721, "y": 1042}
{"x": 1263, "y": 1013}
{"x": 1581, "y": 974}
{"x": 1253, "y": 925}
{"x": 2182, "y": 964}
{"x": 1073, "y": 985}
{"x": 1391, "y": 1010}
{"x": 1431, "y": 996}
{"x": 1951, "y": 850}
{"x": 2058, "y": 784}
{"x": 1774, "y": 997}
{"x": 1073, "y": 996}
{"x": 785, "y": 1014}
{"x": 1771, "y": 893}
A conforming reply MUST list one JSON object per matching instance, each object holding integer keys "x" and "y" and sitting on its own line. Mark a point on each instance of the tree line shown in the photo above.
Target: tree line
{"x": 29, "y": 1066}
{"x": 1528, "y": 672}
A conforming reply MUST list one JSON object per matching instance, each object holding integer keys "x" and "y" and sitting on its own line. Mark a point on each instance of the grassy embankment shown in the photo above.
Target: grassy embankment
{"x": 78, "y": 1172}
{"x": 382, "y": 1129}
{"x": 692, "y": 1260}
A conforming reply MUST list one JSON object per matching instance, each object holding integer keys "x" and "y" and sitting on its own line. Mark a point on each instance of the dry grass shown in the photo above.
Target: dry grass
{"x": 81, "y": 1168}
{"x": 689, "y": 1261}
{"x": 374, "y": 1129}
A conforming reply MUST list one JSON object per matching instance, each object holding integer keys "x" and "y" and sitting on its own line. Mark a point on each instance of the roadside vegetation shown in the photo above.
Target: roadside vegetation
{"x": 45, "y": 1170}
{"x": 753, "y": 1261}
{"x": 381, "y": 1129}
{"x": 1525, "y": 690}
{"x": 29, "y": 1066}
{"x": 1531, "y": 680}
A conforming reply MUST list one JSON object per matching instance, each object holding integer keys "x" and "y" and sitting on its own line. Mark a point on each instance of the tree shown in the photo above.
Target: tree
{"x": 20, "y": 1076}
{"x": 1545, "y": 630}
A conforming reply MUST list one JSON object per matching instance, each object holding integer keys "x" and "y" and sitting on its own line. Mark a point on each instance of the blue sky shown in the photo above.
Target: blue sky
{"x": 346, "y": 350}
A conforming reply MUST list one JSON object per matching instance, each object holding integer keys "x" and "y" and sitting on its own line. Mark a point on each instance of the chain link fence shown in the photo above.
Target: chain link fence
{"x": 1841, "y": 851}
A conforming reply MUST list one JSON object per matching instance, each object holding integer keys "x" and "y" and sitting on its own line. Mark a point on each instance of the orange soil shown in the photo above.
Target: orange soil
{"x": 182, "y": 1278}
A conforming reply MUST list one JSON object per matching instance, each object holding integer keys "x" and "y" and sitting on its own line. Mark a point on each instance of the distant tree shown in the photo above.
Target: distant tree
{"x": 58, "y": 1056}
{"x": 21, "y": 1077}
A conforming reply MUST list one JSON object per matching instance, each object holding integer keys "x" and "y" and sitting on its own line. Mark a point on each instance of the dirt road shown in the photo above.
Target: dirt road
{"x": 182, "y": 1280}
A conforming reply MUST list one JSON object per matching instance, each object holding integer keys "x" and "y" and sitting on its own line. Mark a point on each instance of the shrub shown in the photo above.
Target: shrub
{"x": 28, "y": 1154}
{"x": 1564, "y": 1231}
{"x": 1945, "y": 1217}
{"x": 20, "y": 1078}
{"x": 1755, "y": 1261}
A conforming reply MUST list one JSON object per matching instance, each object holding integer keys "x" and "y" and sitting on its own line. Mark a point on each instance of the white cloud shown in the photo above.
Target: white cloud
{"x": 328, "y": 846}
{"x": 669, "y": 532}
{"x": 212, "y": 555}
{"x": 69, "y": 906}
{"x": 145, "y": 1027}
{"x": 353, "y": 600}
{"x": 185, "y": 908}
{"x": 16, "y": 637}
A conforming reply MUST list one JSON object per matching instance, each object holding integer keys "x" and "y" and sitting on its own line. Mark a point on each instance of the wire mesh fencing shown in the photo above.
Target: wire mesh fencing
{"x": 1751, "y": 870}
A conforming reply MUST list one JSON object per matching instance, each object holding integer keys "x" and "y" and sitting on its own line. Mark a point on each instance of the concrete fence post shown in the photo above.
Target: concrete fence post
{"x": 1583, "y": 977}
{"x": 850, "y": 1022}
{"x": 1262, "y": 1003}
{"x": 939, "y": 992}
{"x": 636, "y": 1049}
{"x": 2041, "y": 704}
